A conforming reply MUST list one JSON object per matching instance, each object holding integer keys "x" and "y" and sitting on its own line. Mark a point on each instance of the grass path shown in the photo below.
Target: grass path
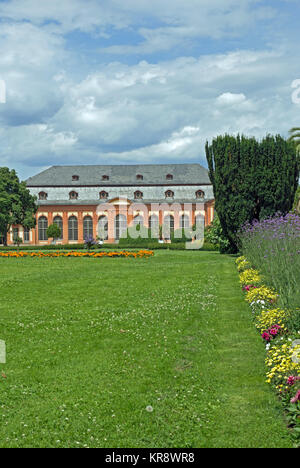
{"x": 132, "y": 353}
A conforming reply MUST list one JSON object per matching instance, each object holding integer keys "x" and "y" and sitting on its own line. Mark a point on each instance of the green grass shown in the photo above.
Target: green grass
{"x": 92, "y": 343}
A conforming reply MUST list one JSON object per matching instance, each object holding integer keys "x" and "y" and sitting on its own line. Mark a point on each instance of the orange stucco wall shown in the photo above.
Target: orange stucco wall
{"x": 65, "y": 211}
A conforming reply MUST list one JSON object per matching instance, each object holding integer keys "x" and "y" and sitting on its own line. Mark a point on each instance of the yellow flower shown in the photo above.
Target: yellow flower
{"x": 269, "y": 317}
{"x": 261, "y": 293}
{"x": 250, "y": 276}
{"x": 281, "y": 364}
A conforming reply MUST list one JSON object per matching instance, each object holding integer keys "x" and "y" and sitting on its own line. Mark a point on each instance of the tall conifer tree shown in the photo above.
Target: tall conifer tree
{"x": 251, "y": 179}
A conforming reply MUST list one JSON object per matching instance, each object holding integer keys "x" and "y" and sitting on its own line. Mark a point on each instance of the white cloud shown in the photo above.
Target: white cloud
{"x": 29, "y": 58}
{"x": 235, "y": 101}
{"x": 229, "y": 99}
{"x": 64, "y": 106}
{"x": 171, "y": 22}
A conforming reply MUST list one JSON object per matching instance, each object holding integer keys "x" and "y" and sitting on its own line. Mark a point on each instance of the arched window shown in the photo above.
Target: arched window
{"x": 103, "y": 195}
{"x": 42, "y": 228}
{"x": 59, "y": 222}
{"x": 200, "y": 194}
{"x": 169, "y": 194}
{"x": 184, "y": 221}
{"x": 139, "y": 177}
{"x": 73, "y": 228}
{"x": 105, "y": 177}
{"x": 87, "y": 227}
{"x": 15, "y": 234}
{"x": 154, "y": 226}
{"x": 43, "y": 196}
{"x": 138, "y": 220}
{"x": 169, "y": 177}
{"x": 26, "y": 235}
{"x": 103, "y": 227}
{"x": 168, "y": 226}
{"x": 73, "y": 195}
{"x": 138, "y": 195}
{"x": 120, "y": 225}
{"x": 199, "y": 226}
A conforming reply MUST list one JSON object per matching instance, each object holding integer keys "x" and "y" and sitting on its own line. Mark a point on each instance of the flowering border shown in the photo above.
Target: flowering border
{"x": 55, "y": 254}
{"x": 283, "y": 369}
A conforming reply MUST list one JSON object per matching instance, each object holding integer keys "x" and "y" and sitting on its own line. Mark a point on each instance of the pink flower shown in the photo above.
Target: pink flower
{"x": 248, "y": 287}
{"x": 296, "y": 397}
{"x": 291, "y": 380}
{"x": 266, "y": 336}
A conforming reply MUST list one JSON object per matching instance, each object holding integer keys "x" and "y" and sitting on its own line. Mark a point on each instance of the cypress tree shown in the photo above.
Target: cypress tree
{"x": 251, "y": 179}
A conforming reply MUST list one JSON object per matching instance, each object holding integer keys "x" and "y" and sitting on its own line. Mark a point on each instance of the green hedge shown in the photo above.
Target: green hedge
{"x": 44, "y": 247}
{"x": 146, "y": 244}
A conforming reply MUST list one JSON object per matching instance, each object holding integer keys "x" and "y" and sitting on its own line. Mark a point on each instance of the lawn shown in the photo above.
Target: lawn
{"x": 157, "y": 352}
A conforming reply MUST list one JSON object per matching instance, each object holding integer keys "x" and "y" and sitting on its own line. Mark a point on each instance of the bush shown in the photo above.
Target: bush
{"x": 214, "y": 235}
{"x": 53, "y": 232}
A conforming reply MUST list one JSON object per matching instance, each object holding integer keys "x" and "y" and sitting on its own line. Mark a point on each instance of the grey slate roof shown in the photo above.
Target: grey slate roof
{"x": 153, "y": 174}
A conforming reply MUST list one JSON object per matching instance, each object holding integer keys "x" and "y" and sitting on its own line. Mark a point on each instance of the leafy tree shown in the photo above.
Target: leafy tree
{"x": 18, "y": 241}
{"x": 214, "y": 235}
{"x": 251, "y": 179}
{"x": 53, "y": 231}
{"x": 17, "y": 205}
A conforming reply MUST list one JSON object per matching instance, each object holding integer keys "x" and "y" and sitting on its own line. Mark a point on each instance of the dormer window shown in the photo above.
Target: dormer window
{"x": 169, "y": 177}
{"x": 43, "y": 196}
{"x": 75, "y": 177}
{"x": 138, "y": 195}
{"x": 169, "y": 194}
{"x": 73, "y": 195}
{"x": 105, "y": 177}
{"x": 200, "y": 194}
{"x": 103, "y": 195}
{"x": 139, "y": 177}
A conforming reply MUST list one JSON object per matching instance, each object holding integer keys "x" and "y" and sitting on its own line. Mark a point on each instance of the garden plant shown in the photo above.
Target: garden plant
{"x": 270, "y": 277}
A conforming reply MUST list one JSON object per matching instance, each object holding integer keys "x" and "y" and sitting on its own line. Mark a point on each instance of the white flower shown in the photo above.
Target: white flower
{"x": 149, "y": 409}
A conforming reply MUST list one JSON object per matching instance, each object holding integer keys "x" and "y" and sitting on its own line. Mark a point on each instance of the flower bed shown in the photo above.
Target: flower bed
{"x": 139, "y": 254}
{"x": 273, "y": 246}
{"x": 282, "y": 343}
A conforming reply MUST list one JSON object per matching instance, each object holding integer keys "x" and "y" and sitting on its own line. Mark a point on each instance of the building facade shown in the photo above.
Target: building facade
{"x": 103, "y": 201}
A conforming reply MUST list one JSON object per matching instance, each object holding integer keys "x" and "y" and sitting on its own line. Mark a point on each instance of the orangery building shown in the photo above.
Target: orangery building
{"x": 104, "y": 200}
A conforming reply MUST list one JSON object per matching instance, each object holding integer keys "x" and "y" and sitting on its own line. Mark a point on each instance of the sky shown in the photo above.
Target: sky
{"x": 142, "y": 82}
